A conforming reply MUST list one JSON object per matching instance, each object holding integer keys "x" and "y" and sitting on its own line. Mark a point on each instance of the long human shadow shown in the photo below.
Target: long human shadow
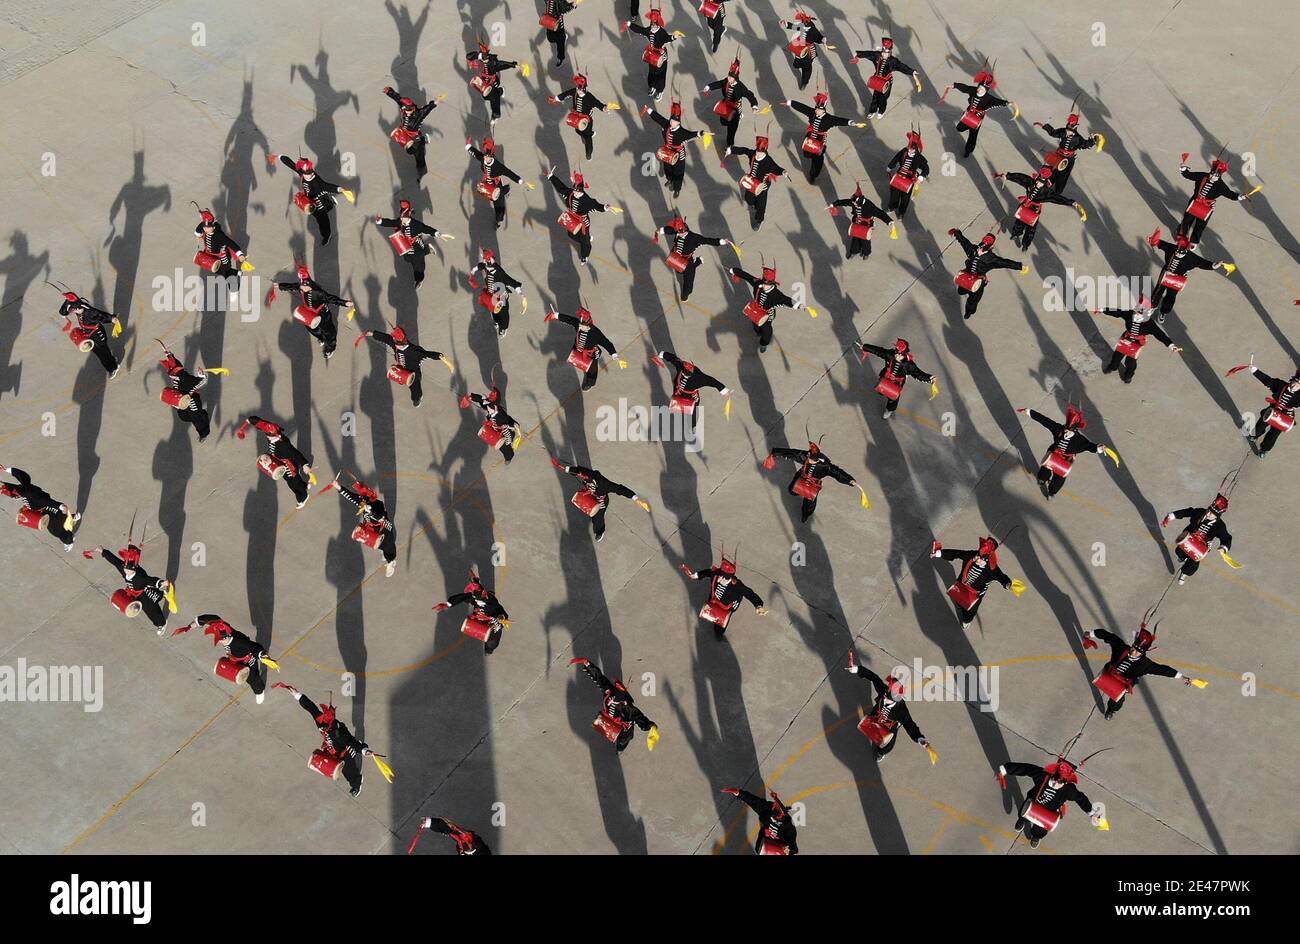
{"x": 376, "y": 401}
{"x": 296, "y": 344}
{"x": 406, "y": 79}
{"x": 261, "y": 515}
{"x": 232, "y": 206}
{"x": 19, "y": 270}
{"x": 320, "y": 138}
{"x": 1184, "y": 772}
{"x": 583, "y": 617}
{"x": 89, "y": 391}
{"x": 173, "y": 464}
{"x": 134, "y": 202}
{"x": 345, "y": 568}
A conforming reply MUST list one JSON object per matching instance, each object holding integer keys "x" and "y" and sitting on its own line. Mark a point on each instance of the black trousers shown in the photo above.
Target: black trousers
{"x": 103, "y": 353}
{"x": 415, "y": 259}
{"x": 588, "y": 139}
{"x": 1049, "y": 481}
{"x": 688, "y": 279}
{"x": 153, "y": 610}
{"x": 256, "y": 678}
{"x": 583, "y": 239}
{"x": 598, "y": 522}
{"x": 558, "y": 39}
{"x": 1164, "y": 299}
{"x": 1023, "y": 233}
{"x": 899, "y": 202}
{"x": 809, "y": 504}
{"x": 1189, "y": 566}
{"x": 297, "y": 484}
{"x": 973, "y": 302}
{"x": 494, "y": 101}
{"x": 1127, "y": 366}
{"x": 859, "y": 247}
{"x": 327, "y": 332}
{"x": 802, "y": 69}
{"x": 196, "y": 416}
{"x": 879, "y": 101}
{"x": 815, "y": 164}
{"x": 656, "y": 79}
{"x": 717, "y": 26}
{"x": 416, "y": 150}
{"x": 322, "y": 218}
{"x": 675, "y": 175}
{"x": 55, "y": 525}
{"x": 972, "y": 134}
{"x": 764, "y": 332}
{"x": 417, "y": 387}
{"x": 591, "y": 375}
{"x": 388, "y": 546}
{"x": 1193, "y": 226}
{"x": 758, "y": 205}
{"x": 967, "y": 616}
{"x": 729, "y": 127}
{"x": 1265, "y": 435}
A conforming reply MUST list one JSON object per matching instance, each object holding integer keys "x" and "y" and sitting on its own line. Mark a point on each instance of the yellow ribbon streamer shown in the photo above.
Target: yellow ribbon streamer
{"x": 349, "y": 196}
{"x": 1103, "y": 825}
{"x": 1083, "y": 214}
{"x": 726, "y": 410}
{"x": 311, "y": 479}
{"x": 1101, "y": 142}
{"x": 526, "y": 70}
{"x": 270, "y": 663}
{"x": 765, "y": 110}
{"x": 934, "y": 389}
{"x": 1200, "y": 683}
{"x": 707, "y": 140}
{"x": 934, "y": 755}
{"x": 1228, "y": 560}
{"x": 1018, "y": 587}
{"x": 117, "y": 329}
{"x": 652, "y": 738}
{"x": 645, "y": 505}
{"x": 864, "y": 501}
{"x": 171, "y": 598}
{"x": 247, "y": 266}
{"x": 622, "y": 364}
{"x": 613, "y": 106}
{"x": 384, "y": 770}
{"x": 812, "y": 312}
{"x": 1111, "y": 452}
{"x": 523, "y": 305}
{"x": 218, "y": 371}
{"x": 1229, "y": 268}
{"x": 893, "y": 231}
{"x": 739, "y": 254}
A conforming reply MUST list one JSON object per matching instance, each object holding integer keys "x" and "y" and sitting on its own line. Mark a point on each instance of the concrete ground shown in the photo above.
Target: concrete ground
{"x": 139, "y": 120}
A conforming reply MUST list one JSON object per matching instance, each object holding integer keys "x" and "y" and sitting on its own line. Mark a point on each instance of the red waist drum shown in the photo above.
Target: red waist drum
{"x": 889, "y": 387}
{"x": 84, "y": 339}
{"x": 483, "y": 84}
{"x": 401, "y": 375}
{"x": 477, "y": 627}
{"x": 1130, "y": 347}
{"x": 587, "y": 503}
{"x": 326, "y": 764}
{"x": 677, "y": 262}
{"x": 1194, "y": 546}
{"x": 670, "y": 153}
{"x": 654, "y": 56}
{"x": 754, "y": 185}
{"x": 578, "y": 121}
{"x": 716, "y": 612}
{"x": 1201, "y": 208}
{"x": 368, "y": 535}
{"x": 308, "y": 316}
{"x": 125, "y": 603}
{"x": 1058, "y": 463}
{"x": 582, "y": 358}
{"x": 725, "y": 109}
{"x": 208, "y": 261}
{"x": 1281, "y": 420}
{"x": 772, "y": 846}
{"x": 1173, "y": 282}
{"x": 610, "y": 726}
{"x": 174, "y": 398}
{"x": 860, "y": 230}
{"x": 814, "y": 144}
{"x": 1028, "y": 213}
{"x": 572, "y": 222}
{"x": 401, "y": 243}
{"x": 806, "y": 486}
{"x": 492, "y": 301}
{"x": 972, "y": 118}
{"x": 404, "y": 136}
{"x": 684, "y": 402}
{"x": 492, "y": 434}
{"x": 877, "y": 732}
{"x": 1113, "y": 685}
{"x": 230, "y": 670}
{"x": 31, "y": 518}
{"x": 964, "y": 595}
{"x": 1041, "y": 816}
{"x": 799, "y": 49}
{"x": 969, "y": 281}
{"x": 273, "y": 466}
{"x": 487, "y": 190}
{"x": 757, "y": 313}
{"x": 903, "y": 182}
{"x": 709, "y": 8}
{"x": 548, "y": 22}
{"x": 878, "y": 83}
{"x": 302, "y": 201}
{"x": 1060, "y": 158}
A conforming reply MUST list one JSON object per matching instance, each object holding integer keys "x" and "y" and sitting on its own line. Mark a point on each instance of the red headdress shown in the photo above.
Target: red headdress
{"x": 304, "y": 166}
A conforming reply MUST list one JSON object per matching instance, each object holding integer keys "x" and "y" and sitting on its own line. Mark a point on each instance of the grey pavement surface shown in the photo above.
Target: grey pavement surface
{"x": 137, "y": 120}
